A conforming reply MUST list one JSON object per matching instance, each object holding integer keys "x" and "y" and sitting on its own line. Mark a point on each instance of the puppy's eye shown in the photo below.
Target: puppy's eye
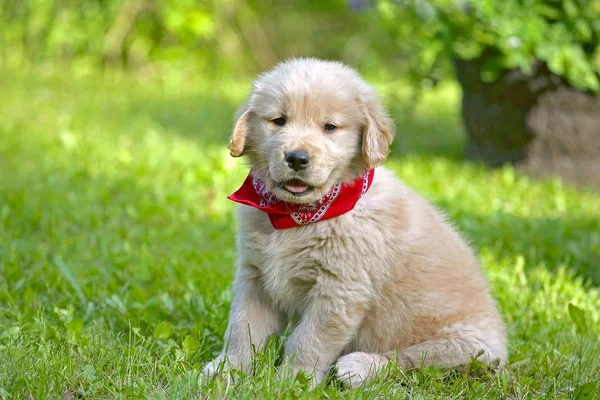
{"x": 279, "y": 121}
{"x": 330, "y": 127}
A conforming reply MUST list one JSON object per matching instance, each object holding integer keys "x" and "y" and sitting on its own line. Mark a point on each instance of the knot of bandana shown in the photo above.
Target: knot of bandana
{"x": 339, "y": 200}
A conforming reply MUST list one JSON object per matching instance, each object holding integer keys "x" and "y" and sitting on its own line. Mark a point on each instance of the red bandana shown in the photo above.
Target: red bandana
{"x": 341, "y": 199}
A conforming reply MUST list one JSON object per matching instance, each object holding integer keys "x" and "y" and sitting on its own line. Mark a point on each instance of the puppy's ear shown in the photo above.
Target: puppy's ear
{"x": 237, "y": 142}
{"x": 378, "y": 132}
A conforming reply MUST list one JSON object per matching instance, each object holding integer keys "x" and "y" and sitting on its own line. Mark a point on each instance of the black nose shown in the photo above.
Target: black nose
{"x": 297, "y": 160}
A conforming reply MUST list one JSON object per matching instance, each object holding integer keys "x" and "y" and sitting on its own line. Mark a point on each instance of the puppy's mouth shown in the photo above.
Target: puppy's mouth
{"x": 296, "y": 187}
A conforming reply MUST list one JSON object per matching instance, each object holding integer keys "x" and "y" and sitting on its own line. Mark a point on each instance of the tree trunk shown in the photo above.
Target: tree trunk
{"x": 122, "y": 27}
{"x": 536, "y": 122}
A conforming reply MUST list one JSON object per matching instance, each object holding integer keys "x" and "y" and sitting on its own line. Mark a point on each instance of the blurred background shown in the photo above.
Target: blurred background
{"x": 528, "y": 68}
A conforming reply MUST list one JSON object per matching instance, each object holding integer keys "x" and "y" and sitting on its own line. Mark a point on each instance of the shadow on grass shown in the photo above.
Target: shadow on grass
{"x": 204, "y": 118}
{"x": 421, "y": 133}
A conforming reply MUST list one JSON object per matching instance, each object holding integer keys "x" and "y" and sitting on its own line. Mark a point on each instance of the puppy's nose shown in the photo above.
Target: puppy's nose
{"x": 297, "y": 160}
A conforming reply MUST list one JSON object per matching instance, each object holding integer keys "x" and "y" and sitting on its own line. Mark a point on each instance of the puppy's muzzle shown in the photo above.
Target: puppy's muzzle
{"x": 297, "y": 160}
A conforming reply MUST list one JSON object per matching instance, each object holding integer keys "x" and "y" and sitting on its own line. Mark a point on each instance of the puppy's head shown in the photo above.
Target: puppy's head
{"x": 308, "y": 125}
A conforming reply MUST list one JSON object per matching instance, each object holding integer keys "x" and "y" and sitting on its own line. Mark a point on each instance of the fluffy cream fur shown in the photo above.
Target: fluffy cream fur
{"x": 390, "y": 280}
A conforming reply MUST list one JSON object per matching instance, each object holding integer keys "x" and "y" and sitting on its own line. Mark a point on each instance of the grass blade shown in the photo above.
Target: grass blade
{"x": 66, "y": 273}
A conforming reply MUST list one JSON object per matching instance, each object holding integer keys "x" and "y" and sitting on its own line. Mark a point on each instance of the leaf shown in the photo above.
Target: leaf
{"x": 571, "y": 9}
{"x": 136, "y": 331}
{"x": 115, "y": 302}
{"x": 584, "y": 30}
{"x": 12, "y": 333}
{"x": 64, "y": 314}
{"x": 585, "y": 391}
{"x": 201, "y": 23}
{"x": 596, "y": 58}
{"x": 163, "y": 331}
{"x": 190, "y": 345}
{"x": 197, "y": 306}
{"x": 74, "y": 327}
{"x": 88, "y": 372}
{"x": 66, "y": 273}
{"x": 578, "y": 317}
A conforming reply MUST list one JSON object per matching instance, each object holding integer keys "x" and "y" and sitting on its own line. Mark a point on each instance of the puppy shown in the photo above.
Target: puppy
{"x": 372, "y": 271}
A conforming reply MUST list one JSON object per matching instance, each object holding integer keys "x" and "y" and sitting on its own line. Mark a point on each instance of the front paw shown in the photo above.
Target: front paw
{"x": 215, "y": 367}
{"x": 224, "y": 366}
{"x": 357, "y": 369}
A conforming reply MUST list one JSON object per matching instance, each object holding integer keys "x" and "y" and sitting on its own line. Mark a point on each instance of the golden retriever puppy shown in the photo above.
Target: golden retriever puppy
{"x": 373, "y": 273}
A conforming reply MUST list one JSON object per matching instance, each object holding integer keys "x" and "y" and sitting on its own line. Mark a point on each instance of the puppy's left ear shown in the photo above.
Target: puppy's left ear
{"x": 237, "y": 142}
{"x": 378, "y": 132}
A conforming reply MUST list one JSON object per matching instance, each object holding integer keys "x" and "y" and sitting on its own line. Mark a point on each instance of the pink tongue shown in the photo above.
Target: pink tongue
{"x": 296, "y": 188}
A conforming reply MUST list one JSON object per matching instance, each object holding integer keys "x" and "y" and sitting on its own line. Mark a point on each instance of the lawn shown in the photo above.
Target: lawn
{"x": 117, "y": 246}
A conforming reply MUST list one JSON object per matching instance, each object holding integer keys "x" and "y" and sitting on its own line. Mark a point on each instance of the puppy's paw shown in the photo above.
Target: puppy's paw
{"x": 224, "y": 366}
{"x": 214, "y": 367}
{"x": 356, "y": 369}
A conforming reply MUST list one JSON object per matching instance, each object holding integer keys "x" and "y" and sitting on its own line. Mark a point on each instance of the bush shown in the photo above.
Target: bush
{"x": 225, "y": 36}
{"x": 563, "y": 34}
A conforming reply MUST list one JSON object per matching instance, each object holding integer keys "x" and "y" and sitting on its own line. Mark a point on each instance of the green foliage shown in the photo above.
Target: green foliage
{"x": 163, "y": 331}
{"x": 413, "y": 38}
{"x": 578, "y": 317}
{"x": 117, "y": 247}
{"x": 224, "y": 36}
{"x": 564, "y": 34}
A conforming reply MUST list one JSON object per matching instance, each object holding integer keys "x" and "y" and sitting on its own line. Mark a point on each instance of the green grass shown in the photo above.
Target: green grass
{"x": 117, "y": 249}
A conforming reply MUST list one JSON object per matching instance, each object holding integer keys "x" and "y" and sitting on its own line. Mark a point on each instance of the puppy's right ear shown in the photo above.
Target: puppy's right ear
{"x": 237, "y": 142}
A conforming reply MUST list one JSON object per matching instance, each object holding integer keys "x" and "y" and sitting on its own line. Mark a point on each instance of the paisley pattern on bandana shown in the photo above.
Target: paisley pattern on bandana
{"x": 266, "y": 198}
{"x": 315, "y": 211}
